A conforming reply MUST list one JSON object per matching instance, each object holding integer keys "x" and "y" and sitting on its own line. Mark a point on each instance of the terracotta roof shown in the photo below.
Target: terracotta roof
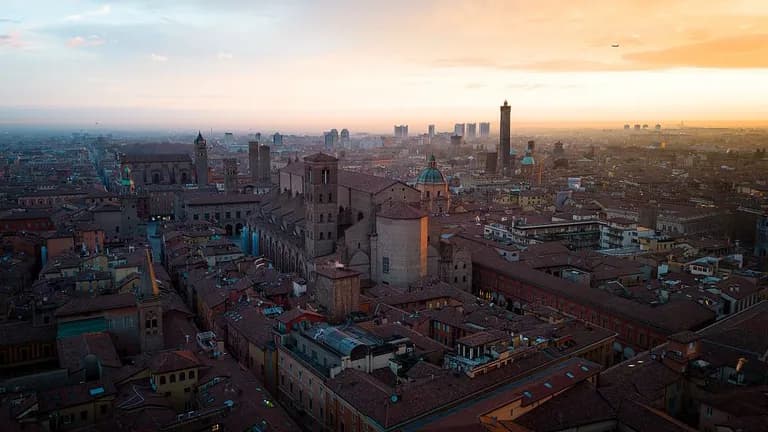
{"x": 156, "y": 157}
{"x": 320, "y": 157}
{"x": 401, "y": 210}
{"x": 170, "y": 361}
{"x": 73, "y": 349}
{"x": 252, "y": 325}
{"x": 577, "y": 406}
{"x": 336, "y": 273}
{"x": 99, "y": 303}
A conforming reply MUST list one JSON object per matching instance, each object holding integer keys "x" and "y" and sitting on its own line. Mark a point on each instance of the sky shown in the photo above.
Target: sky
{"x": 312, "y": 65}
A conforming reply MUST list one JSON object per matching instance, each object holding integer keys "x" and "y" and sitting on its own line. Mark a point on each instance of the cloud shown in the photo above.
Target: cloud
{"x": 159, "y": 58}
{"x": 225, "y": 56}
{"x": 80, "y": 41}
{"x": 12, "y": 40}
{"x": 104, "y": 10}
{"x": 748, "y": 51}
{"x": 10, "y": 20}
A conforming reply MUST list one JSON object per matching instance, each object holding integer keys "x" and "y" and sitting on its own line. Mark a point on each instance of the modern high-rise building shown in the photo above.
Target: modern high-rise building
{"x": 201, "y": 159}
{"x": 485, "y": 129}
{"x": 431, "y": 131}
{"x": 458, "y": 129}
{"x": 229, "y": 139}
{"x": 331, "y": 139}
{"x": 401, "y": 131}
{"x": 471, "y": 130}
{"x": 504, "y": 139}
{"x": 344, "y": 139}
{"x": 277, "y": 139}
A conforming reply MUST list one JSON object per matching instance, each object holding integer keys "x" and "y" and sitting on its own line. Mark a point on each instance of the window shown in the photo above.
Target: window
{"x": 182, "y": 376}
{"x": 228, "y": 215}
{"x": 162, "y": 379}
{"x": 322, "y": 218}
{"x": 186, "y": 389}
{"x": 385, "y": 265}
{"x": 330, "y": 197}
{"x": 321, "y": 235}
{"x": 173, "y": 378}
{"x": 83, "y": 415}
{"x": 427, "y": 194}
{"x": 237, "y": 214}
{"x": 326, "y": 176}
{"x": 103, "y": 409}
{"x": 191, "y": 374}
{"x": 218, "y": 215}
{"x": 196, "y": 217}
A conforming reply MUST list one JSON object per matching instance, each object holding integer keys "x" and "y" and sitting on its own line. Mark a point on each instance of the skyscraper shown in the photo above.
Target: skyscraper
{"x": 485, "y": 129}
{"x": 471, "y": 130}
{"x": 504, "y": 139}
{"x": 277, "y": 139}
{"x": 201, "y": 159}
{"x": 401, "y": 131}
{"x": 331, "y": 139}
{"x": 431, "y": 131}
{"x": 344, "y": 139}
{"x": 458, "y": 129}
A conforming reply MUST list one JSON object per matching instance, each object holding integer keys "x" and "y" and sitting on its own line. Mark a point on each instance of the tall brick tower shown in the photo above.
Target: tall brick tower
{"x": 504, "y": 140}
{"x": 201, "y": 159}
{"x": 321, "y": 203}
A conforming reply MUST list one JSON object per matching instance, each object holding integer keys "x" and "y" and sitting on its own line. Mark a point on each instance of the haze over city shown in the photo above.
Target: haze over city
{"x": 301, "y": 66}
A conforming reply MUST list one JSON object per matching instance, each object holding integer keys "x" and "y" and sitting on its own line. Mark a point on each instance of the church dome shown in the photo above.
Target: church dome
{"x": 430, "y": 174}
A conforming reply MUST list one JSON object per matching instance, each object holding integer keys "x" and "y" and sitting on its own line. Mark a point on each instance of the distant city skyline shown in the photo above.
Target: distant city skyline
{"x": 304, "y": 67}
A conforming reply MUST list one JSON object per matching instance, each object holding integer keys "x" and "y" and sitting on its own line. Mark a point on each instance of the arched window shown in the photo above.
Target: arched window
{"x": 438, "y": 193}
{"x": 427, "y": 194}
{"x": 321, "y": 236}
{"x": 359, "y": 216}
{"x": 330, "y": 217}
{"x": 330, "y": 197}
{"x": 322, "y": 217}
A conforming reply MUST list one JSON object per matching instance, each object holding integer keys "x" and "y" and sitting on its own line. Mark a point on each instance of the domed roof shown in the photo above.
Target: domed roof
{"x": 430, "y": 174}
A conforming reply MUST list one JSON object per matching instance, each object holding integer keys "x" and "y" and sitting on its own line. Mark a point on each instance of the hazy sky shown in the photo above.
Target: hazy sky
{"x": 311, "y": 65}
